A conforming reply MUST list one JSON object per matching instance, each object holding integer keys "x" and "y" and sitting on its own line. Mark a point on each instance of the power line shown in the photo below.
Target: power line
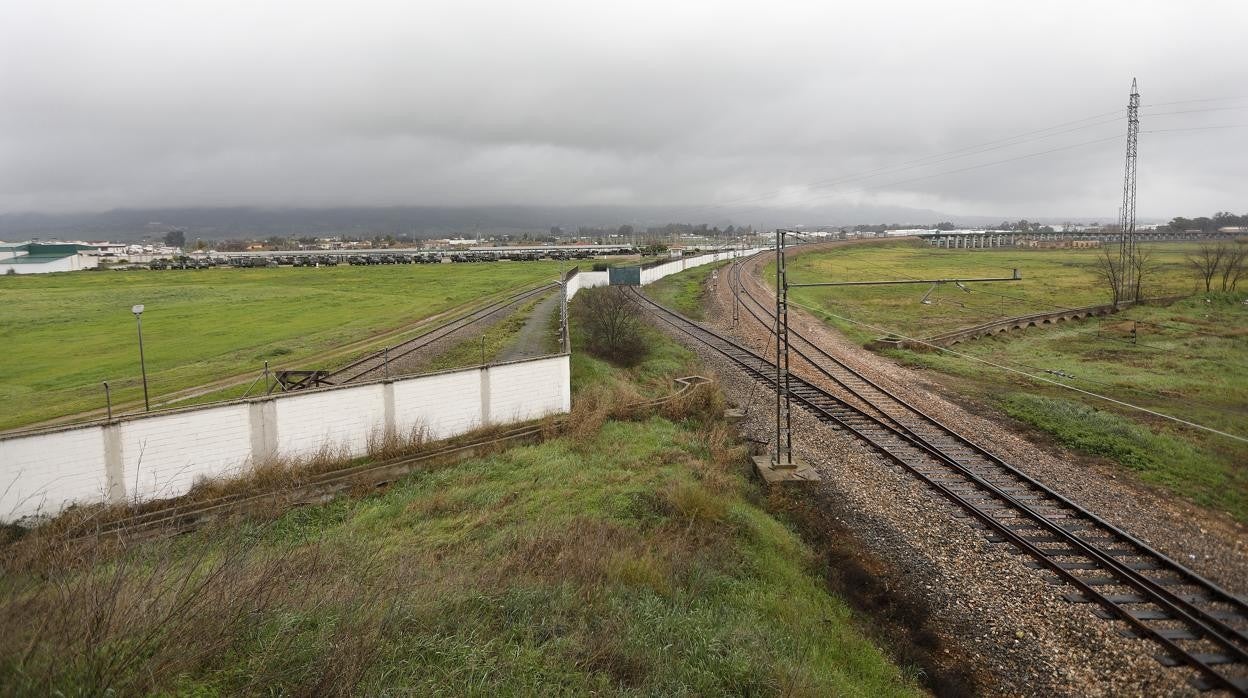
{"x": 1195, "y": 128}
{"x": 1193, "y": 101}
{"x": 1196, "y": 111}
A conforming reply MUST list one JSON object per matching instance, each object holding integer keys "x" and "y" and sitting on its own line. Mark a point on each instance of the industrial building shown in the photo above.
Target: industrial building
{"x": 44, "y": 258}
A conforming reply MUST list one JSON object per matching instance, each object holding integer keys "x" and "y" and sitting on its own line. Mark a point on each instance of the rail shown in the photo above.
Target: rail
{"x": 1093, "y": 556}
{"x": 183, "y": 514}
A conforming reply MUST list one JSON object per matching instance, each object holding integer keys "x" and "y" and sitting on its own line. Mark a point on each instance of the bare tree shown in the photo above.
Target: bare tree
{"x": 1144, "y": 265}
{"x": 611, "y": 323}
{"x": 1233, "y": 265}
{"x": 1108, "y": 268}
{"x": 1206, "y": 261}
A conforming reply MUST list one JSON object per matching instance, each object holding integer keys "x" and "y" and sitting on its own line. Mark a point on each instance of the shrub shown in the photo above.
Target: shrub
{"x": 611, "y": 324}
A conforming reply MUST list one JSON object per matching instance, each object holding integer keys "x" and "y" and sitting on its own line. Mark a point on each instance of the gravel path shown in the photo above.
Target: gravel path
{"x": 1008, "y": 621}
{"x": 532, "y": 339}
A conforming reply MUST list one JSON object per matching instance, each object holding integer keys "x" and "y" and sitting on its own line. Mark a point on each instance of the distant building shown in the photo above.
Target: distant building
{"x": 108, "y": 249}
{"x": 45, "y": 258}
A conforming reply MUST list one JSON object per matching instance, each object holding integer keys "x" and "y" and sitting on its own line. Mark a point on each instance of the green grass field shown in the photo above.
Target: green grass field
{"x": 628, "y": 557}
{"x": 1188, "y": 359}
{"x": 65, "y": 333}
{"x": 1052, "y": 279}
{"x": 685, "y": 292}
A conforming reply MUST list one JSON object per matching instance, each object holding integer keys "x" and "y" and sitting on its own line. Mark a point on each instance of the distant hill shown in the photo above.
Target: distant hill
{"x": 433, "y": 221}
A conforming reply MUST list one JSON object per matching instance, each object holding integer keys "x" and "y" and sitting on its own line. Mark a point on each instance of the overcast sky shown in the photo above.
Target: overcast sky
{"x": 302, "y": 103}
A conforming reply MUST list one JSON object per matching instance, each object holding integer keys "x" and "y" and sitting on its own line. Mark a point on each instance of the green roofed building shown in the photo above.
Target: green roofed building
{"x": 44, "y": 258}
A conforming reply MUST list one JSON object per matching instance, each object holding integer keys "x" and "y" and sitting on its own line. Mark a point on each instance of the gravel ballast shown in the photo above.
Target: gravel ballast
{"x": 1008, "y": 621}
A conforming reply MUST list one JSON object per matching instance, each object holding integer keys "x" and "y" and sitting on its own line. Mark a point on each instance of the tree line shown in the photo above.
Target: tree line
{"x": 1221, "y": 219}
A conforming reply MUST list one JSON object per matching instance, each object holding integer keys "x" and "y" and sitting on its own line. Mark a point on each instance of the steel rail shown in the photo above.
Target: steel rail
{"x": 379, "y": 358}
{"x": 915, "y": 452}
{"x": 189, "y": 514}
{"x": 1217, "y": 631}
{"x": 980, "y": 451}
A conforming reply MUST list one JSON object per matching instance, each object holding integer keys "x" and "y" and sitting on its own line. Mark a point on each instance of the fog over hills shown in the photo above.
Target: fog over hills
{"x": 445, "y": 116}
{"x": 435, "y": 221}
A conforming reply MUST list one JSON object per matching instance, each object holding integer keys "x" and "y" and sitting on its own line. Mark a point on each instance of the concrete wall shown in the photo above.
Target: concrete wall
{"x": 652, "y": 274}
{"x": 591, "y": 279}
{"x": 586, "y": 279}
{"x": 164, "y": 454}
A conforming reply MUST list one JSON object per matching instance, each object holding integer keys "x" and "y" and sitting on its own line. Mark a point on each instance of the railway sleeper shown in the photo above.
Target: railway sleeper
{"x": 1079, "y": 597}
{"x": 1136, "y": 613}
{"x": 1116, "y": 582}
{"x": 981, "y": 495}
{"x": 1075, "y": 528}
{"x": 1167, "y": 633}
{"x": 1206, "y": 658}
{"x": 1202, "y": 683}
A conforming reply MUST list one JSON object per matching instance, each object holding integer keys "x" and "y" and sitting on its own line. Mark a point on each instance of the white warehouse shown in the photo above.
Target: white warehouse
{"x": 37, "y": 258}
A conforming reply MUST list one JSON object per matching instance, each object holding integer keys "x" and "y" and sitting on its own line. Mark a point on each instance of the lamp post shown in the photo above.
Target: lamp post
{"x": 138, "y": 316}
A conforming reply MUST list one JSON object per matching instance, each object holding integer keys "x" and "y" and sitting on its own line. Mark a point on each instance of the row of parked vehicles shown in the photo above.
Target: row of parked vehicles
{"x": 330, "y": 260}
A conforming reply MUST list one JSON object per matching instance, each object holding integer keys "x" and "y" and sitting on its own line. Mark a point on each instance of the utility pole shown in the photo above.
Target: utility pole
{"x": 782, "y": 453}
{"x": 780, "y": 466}
{"x": 1126, "y": 217}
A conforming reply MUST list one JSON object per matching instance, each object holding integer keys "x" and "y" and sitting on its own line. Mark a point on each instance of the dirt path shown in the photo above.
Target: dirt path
{"x": 533, "y": 338}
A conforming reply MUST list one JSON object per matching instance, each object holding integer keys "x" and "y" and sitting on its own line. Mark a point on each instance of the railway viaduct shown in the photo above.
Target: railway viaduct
{"x": 984, "y": 239}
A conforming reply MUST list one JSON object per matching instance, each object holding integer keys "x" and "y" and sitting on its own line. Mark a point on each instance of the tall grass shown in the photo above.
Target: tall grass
{"x": 1158, "y": 457}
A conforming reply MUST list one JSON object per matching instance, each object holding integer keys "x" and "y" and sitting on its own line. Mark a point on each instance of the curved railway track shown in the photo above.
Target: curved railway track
{"x": 1198, "y": 624}
{"x": 377, "y": 360}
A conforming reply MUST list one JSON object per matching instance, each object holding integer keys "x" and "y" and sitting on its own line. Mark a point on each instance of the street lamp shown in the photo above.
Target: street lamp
{"x": 138, "y": 315}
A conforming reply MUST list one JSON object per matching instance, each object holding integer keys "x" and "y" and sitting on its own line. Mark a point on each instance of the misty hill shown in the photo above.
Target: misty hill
{"x": 430, "y": 221}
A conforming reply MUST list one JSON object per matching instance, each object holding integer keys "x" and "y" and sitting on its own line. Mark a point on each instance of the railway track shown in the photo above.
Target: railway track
{"x": 377, "y": 360}
{"x": 1196, "y": 623}
{"x": 183, "y": 516}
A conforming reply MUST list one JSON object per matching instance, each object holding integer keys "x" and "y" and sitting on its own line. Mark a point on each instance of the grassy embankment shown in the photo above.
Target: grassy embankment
{"x": 687, "y": 291}
{"x": 65, "y": 333}
{"x": 1188, "y": 359}
{"x": 471, "y": 352}
{"x": 626, "y": 557}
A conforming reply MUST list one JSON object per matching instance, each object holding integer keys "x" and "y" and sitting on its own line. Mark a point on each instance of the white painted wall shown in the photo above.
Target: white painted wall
{"x": 652, "y": 274}
{"x": 342, "y": 419}
{"x": 591, "y": 279}
{"x": 44, "y": 472}
{"x": 586, "y": 279}
{"x": 425, "y": 405}
{"x": 163, "y": 454}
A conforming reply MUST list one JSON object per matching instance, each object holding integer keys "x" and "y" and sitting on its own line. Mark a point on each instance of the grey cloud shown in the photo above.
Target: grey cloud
{"x": 570, "y": 103}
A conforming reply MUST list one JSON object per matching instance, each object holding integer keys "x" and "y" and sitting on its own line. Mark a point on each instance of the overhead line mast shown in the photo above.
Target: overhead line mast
{"x": 1128, "y": 274}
